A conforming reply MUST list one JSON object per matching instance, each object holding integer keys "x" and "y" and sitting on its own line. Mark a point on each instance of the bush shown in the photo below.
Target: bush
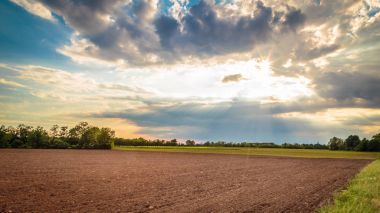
{"x": 59, "y": 144}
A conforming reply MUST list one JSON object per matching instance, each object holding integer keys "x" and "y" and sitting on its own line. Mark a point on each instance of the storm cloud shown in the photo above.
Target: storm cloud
{"x": 360, "y": 88}
{"x": 139, "y": 33}
{"x": 204, "y": 32}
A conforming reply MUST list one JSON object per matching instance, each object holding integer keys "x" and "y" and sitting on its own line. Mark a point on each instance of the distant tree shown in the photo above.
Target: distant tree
{"x": 89, "y": 137}
{"x": 38, "y": 138}
{"x": 63, "y": 133}
{"x": 22, "y": 135}
{"x": 374, "y": 143}
{"x": 105, "y": 138}
{"x": 363, "y": 145}
{"x": 173, "y": 141}
{"x": 190, "y": 143}
{"x": 13, "y": 140}
{"x": 4, "y": 137}
{"x": 54, "y": 131}
{"x": 351, "y": 142}
{"x": 59, "y": 143}
{"x": 76, "y": 133}
{"x": 336, "y": 143}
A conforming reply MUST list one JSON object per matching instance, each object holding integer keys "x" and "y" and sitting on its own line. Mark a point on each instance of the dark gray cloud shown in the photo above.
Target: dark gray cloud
{"x": 360, "y": 88}
{"x": 117, "y": 28}
{"x": 294, "y": 19}
{"x": 166, "y": 27}
{"x": 83, "y": 15}
{"x": 137, "y": 31}
{"x": 203, "y": 32}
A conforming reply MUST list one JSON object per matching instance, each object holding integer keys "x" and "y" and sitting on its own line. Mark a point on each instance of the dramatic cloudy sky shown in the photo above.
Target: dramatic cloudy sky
{"x": 234, "y": 70}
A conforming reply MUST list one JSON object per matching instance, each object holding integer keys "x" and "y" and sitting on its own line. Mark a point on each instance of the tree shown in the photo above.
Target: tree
{"x": 4, "y": 137}
{"x": 105, "y": 138}
{"x": 22, "y": 135}
{"x": 336, "y": 143}
{"x": 171, "y": 143}
{"x": 63, "y": 133}
{"x": 174, "y": 141}
{"x": 351, "y": 142}
{"x": 38, "y": 138}
{"x": 190, "y": 143}
{"x": 54, "y": 131}
{"x": 76, "y": 133}
{"x": 374, "y": 143}
{"x": 363, "y": 145}
{"x": 89, "y": 137}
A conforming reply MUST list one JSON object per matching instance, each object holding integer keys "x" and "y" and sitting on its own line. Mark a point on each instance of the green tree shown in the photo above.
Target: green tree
{"x": 336, "y": 143}
{"x": 75, "y": 134}
{"x": 363, "y": 145}
{"x": 374, "y": 143}
{"x": 89, "y": 137}
{"x": 105, "y": 138}
{"x": 22, "y": 135}
{"x": 54, "y": 131}
{"x": 38, "y": 138}
{"x": 351, "y": 142}
{"x": 174, "y": 141}
{"x": 4, "y": 137}
{"x": 190, "y": 143}
{"x": 63, "y": 133}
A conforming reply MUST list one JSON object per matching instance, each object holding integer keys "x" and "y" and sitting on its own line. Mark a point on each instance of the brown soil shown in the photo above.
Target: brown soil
{"x": 125, "y": 181}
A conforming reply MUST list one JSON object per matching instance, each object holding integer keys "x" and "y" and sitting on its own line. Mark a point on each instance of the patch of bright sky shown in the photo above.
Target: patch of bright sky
{"x": 165, "y": 5}
{"x": 29, "y": 39}
{"x": 359, "y": 119}
{"x": 205, "y": 81}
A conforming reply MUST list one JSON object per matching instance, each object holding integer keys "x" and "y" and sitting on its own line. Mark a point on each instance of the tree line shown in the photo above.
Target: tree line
{"x": 173, "y": 142}
{"x": 84, "y": 136}
{"x": 354, "y": 143}
{"x": 81, "y": 136}
{"x": 351, "y": 143}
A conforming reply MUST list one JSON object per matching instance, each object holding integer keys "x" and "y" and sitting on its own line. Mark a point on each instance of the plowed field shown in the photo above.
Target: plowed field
{"x": 132, "y": 181}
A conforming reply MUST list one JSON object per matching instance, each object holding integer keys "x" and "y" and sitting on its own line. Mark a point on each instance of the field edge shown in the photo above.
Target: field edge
{"x": 277, "y": 152}
{"x": 362, "y": 193}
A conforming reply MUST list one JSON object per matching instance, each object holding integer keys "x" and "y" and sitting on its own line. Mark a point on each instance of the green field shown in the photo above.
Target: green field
{"x": 302, "y": 153}
{"x": 362, "y": 194}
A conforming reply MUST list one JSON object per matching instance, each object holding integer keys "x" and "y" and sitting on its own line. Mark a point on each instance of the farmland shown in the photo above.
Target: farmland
{"x": 116, "y": 180}
{"x": 302, "y": 153}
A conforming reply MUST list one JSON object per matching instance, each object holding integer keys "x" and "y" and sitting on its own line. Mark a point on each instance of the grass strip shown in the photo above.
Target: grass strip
{"x": 362, "y": 194}
{"x": 303, "y": 153}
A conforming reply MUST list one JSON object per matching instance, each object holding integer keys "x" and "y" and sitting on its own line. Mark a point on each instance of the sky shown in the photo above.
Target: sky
{"x": 234, "y": 70}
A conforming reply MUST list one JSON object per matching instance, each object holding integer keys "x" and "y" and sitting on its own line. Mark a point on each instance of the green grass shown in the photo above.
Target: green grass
{"x": 362, "y": 194}
{"x": 302, "y": 153}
